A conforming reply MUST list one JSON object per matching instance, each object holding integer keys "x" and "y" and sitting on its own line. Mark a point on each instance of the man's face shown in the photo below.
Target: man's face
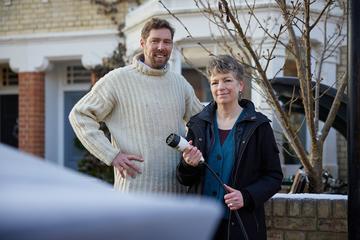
{"x": 157, "y": 47}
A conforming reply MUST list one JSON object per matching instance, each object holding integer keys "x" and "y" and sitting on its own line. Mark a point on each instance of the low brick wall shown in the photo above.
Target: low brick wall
{"x": 306, "y": 217}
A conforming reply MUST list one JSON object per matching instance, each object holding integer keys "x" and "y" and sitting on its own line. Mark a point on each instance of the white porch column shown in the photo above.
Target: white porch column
{"x": 31, "y": 86}
{"x": 330, "y": 147}
{"x": 257, "y": 93}
{"x": 175, "y": 60}
{"x": 261, "y": 103}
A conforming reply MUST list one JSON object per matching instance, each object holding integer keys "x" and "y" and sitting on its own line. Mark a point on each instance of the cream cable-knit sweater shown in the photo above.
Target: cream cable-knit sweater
{"x": 141, "y": 107}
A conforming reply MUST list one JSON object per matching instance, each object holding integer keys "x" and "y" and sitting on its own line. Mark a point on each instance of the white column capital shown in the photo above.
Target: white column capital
{"x": 90, "y": 60}
{"x": 23, "y": 63}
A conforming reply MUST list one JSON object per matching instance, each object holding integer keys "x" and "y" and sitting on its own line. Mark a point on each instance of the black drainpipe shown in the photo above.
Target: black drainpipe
{"x": 354, "y": 119}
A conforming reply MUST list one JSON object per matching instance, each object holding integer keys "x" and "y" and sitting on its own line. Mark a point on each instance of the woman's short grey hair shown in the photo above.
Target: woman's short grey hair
{"x": 225, "y": 64}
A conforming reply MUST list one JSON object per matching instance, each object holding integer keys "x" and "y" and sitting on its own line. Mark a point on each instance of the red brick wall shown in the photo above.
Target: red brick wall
{"x": 94, "y": 78}
{"x": 31, "y": 112}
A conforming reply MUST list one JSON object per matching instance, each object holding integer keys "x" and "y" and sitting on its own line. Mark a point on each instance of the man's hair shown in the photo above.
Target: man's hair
{"x": 156, "y": 23}
{"x": 225, "y": 64}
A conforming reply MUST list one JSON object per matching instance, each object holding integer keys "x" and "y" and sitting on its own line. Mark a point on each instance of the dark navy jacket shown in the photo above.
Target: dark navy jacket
{"x": 256, "y": 171}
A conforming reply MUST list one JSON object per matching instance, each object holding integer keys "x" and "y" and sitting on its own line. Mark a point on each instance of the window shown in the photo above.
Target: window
{"x": 8, "y": 77}
{"x": 298, "y": 122}
{"x": 77, "y": 74}
{"x": 297, "y": 119}
{"x": 199, "y": 82}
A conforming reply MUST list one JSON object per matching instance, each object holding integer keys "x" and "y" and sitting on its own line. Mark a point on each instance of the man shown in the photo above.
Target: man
{"x": 141, "y": 105}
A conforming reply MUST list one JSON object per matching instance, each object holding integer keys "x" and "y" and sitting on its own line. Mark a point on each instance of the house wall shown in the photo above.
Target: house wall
{"x": 35, "y": 35}
{"x": 37, "y": 16}
{"x": 307, "y": 217}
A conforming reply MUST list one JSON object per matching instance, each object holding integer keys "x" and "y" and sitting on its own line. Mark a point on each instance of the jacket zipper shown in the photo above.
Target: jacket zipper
{"x": 212, "y": 140}
{"x": 228, "y": 227}
{"x": 242, "y": 151}
{"x": 234, "y": 178}
{"x": 256, "y": 221}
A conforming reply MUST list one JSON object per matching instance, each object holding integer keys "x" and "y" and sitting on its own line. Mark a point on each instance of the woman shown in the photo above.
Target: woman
{"x": 238, "y": 144}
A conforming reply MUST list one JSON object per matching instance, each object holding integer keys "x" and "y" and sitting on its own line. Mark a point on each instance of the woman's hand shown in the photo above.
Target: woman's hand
{"x": 192, "y": 155}
{"x": 234, "y": 199}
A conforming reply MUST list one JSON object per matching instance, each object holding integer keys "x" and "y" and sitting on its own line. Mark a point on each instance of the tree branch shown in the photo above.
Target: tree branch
{"x": 334, "y": 108}
{"x": 328, "y": 4}
{"x": 288, "y": 131}
{"x": 186, "y": 29}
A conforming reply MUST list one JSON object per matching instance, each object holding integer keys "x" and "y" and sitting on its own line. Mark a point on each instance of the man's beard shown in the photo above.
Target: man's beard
{"x": 161, "y": 63}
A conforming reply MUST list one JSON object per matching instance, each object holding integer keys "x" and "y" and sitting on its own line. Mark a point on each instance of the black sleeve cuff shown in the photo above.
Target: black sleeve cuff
{"x": 186, "y": 168}
{"x": 248, "y": 200}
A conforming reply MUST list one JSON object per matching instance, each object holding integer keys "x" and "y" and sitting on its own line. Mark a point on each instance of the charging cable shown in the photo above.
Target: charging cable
{"x": 180, "y": 144}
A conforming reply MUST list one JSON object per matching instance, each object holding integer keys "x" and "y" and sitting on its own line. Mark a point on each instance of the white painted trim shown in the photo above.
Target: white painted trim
{"x": 62, "y": 88}
{"x": 55, "y": 86}
{"x": 33, "y": 52}
{"x": 55, "y": 36}
{"x": 9, "y": 90}
{"x": 61, "y": 139}
{"x": 51, "y": 116}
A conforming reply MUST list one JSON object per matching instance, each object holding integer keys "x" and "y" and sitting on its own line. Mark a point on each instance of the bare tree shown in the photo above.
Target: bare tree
{"x": 293, "y": 29}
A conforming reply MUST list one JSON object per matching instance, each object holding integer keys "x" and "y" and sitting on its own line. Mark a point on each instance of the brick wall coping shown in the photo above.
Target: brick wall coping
{"x": 311, "y": 196}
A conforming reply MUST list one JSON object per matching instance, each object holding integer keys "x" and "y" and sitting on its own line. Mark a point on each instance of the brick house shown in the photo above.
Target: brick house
{"x": 47, "y": 51}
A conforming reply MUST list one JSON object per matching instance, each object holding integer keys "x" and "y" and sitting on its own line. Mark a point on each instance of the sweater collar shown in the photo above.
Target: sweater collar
{"x": 138, "y": 61}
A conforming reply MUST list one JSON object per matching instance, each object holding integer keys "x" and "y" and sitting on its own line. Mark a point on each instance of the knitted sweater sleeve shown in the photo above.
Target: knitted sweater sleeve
{"x": 192, "y": 103}
{"x": 85, "y": 116}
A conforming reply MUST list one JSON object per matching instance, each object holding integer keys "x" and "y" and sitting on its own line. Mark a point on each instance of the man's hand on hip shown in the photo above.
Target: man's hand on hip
{"x": 123, "y": 163}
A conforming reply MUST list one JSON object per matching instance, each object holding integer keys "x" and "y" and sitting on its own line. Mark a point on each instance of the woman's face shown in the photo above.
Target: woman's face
{"x": 225, "y": 87}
